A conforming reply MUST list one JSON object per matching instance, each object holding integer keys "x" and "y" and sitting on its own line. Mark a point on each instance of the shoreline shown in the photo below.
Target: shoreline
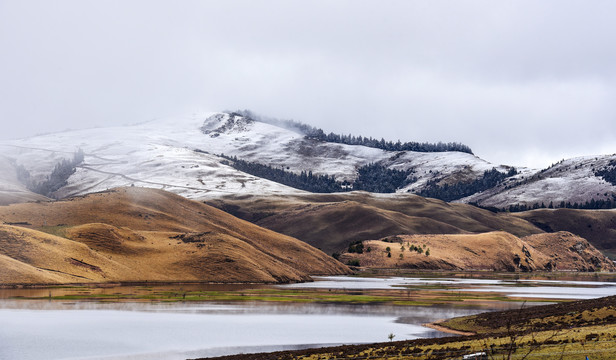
{"x": 435, "y": 326}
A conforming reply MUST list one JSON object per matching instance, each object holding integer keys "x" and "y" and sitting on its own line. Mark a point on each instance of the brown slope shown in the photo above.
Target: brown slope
{"x": 597, "y": 226}
{"x": 570, "y": 252}
{"x": 499, "y": 251}
{"x": 464, "y": 216}
{"x": 162, "y": 236}
{"x": 332, "y": 221}
{"x": 326, "y": 225}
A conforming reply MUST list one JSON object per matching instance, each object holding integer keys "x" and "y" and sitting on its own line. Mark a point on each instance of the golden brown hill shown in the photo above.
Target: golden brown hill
{"x": 597, "y": 226}
{"x": 137, "y": 234}
{"x": 570, "y": 252}
{"x": 332, "y": 221}
{"x": 499, "y": 251}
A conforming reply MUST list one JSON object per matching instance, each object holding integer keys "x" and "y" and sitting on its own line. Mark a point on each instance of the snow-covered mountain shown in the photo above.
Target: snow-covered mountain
{"x": 181, "y": 155}
{"x": 157, "y": 154}
{"x": 570, "y": 181}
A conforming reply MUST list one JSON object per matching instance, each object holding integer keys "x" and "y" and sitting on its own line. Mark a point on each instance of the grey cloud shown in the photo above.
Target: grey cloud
{"x": 521, "y": 82}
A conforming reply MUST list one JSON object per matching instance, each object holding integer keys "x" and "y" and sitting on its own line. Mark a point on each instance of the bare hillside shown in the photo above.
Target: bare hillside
{"x": 498, "y": 251}
{"x": 597, "y": 226}
{"x": 136, "y": 234}
{"x": 332, "y": 221}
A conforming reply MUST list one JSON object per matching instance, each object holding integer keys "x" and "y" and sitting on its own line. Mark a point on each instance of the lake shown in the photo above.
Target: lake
{"x": 55, "y": 329}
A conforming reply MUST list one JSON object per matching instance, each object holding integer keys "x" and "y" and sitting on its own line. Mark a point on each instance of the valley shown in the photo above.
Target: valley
{"x": 204, "y": 215}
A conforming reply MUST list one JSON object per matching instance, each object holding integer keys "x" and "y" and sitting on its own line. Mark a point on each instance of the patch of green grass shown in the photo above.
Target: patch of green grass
{"x": 58, "y": 230}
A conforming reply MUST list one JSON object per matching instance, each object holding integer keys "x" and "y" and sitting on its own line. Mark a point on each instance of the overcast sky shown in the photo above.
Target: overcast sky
{"x": 520, "y": 82}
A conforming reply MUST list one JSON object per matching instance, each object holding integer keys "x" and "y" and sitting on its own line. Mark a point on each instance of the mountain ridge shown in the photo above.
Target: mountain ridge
{"x": 180, "y": 155}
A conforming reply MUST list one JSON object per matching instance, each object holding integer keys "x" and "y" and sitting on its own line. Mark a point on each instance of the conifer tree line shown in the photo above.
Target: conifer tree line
{"x": 311, "y": 132}
{"x": 587, "y": 205}
{"x": 371, "y": 177}
{"x": 608, "y": 173}
{"x": 446, "y": 192}
{"x": 55, "y": 180}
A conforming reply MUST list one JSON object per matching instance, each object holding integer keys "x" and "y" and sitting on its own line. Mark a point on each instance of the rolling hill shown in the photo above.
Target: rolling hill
{"x": 496, "y": 251}
{"x": 138, "y": 234}
{"x": 184, "y": 156}
{"x": 597, "y": 226}
{"x": 332, "y": 221}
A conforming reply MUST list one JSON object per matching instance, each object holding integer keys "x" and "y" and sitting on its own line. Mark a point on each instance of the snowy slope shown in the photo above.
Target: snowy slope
{"x": 180, "y": 155}
{"x": 275, "y": 146}
{"x": 162, "y": 154}
{"x": 11, "y": 190}
{"x": 572, "y": 180}
{"x": 158, "y": 154}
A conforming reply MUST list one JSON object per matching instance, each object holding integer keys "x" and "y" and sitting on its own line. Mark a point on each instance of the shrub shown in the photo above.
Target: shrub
{"x": 356, "y": 247}
{"x": 353, "y": 262}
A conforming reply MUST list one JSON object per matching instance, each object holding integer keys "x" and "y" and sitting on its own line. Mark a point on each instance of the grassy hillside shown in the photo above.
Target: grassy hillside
{"x": 136, "y": 234}
{"x": 332, "y": 221}
{"x": 498, "y": 251}
{"x": 597, "y": 226}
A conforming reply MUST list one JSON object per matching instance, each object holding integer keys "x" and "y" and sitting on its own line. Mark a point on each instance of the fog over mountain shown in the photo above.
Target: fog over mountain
{"x": 522, "y": 83}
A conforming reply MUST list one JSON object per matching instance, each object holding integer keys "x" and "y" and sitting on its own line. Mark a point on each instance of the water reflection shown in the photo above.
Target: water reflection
{"x": 178, "y": 331}
{"x": 524, "y": 288}
{"x": 35, "y": 329}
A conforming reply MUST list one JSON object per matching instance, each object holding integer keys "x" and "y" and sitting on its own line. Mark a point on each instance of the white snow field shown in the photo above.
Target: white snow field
{"x": 180, "y": 155}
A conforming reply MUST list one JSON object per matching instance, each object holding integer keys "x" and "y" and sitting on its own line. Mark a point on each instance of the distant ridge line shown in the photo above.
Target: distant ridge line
{"x": 311, "y": 132}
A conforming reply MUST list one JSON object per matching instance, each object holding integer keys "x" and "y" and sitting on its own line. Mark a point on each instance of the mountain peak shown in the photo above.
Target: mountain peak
{"x": 226, "y": 123}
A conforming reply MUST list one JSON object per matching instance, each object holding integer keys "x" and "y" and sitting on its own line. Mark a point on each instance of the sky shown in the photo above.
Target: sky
{"x": 523, "y": 82}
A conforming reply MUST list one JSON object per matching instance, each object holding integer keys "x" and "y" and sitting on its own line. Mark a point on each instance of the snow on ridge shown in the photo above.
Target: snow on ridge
{"x": 162, "y": 153}
{"x": 570, "y": 180}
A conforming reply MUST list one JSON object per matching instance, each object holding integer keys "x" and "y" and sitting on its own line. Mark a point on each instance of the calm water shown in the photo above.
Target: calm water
{"x": 155, "y": 331}
{"x": 41, "y": 329}
{"x": 525, "y": 288}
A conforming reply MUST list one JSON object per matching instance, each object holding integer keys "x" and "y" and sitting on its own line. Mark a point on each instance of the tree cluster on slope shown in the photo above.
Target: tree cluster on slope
{"x": 305, "y": 180}
{"x": 55, "y": 180}
{"x": 608, "y": 173}
{"x": 311, "y": 132}
{"x": 446, "y": 192}
{"x": 380, "y": 179}
{"x": 371, "y": 177}
{"x": 587, "y": 205}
